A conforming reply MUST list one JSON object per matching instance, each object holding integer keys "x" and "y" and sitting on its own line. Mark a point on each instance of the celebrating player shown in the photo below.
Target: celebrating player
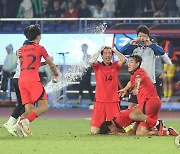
{"x": 106, "y": 105}
{"x": 31, "y": 88}
{"x": 148, "y": 108}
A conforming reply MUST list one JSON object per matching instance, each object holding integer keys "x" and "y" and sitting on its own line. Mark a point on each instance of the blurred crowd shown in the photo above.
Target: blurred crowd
{"x": 88, "y": 8}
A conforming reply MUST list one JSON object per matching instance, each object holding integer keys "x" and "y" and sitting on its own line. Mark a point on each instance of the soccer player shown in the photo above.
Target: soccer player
{"x": 149, "y": 104}
{"x": 31, "y": 88}
{"x": 143, "y": 47}
{"x": 106, "y": 104}
{"x": 19, "y": 109}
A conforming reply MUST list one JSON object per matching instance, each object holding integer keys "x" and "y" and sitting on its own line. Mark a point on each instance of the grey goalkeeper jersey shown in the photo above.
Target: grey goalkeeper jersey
{"x": 148, "y": 54}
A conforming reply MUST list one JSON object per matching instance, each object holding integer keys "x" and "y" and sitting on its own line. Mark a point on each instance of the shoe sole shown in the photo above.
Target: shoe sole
{"x": 20, "y": 132}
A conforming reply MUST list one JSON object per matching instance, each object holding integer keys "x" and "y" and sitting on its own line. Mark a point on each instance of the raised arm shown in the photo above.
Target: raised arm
{"x": 122, "y": 58}
{"x": 93, "y": 59}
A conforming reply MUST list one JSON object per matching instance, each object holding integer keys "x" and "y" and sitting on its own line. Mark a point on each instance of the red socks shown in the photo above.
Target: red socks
{"x": 32, "y": 116}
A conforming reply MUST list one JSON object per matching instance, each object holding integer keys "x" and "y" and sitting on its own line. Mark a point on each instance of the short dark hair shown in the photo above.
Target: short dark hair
{"x": 104, "y": 129}
{"x": 137, "y": 59}
{"x": 144, "y": 29}
{"x": 106, "y": 48}
{"x": 32, "y": 31}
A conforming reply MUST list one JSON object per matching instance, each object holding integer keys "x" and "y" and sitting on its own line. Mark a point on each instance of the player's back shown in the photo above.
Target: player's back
{"x": 30, "y": 59}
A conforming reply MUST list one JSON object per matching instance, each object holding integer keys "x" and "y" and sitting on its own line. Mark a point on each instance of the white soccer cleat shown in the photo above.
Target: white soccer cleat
{"x": 91, "y": 107}
{"x": 10, "y": 129}
{"x": 25, "y": 125}
{"x": 19, "y": 131}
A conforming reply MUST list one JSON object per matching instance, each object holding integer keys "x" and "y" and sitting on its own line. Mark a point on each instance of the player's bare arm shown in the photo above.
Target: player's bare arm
{"x": 122, "y": 58}
{"x": 137, "y": 84}
{"x": 94, "y": 58}
{"x": 123, "y": 91}
{"x": 52, "y": 66}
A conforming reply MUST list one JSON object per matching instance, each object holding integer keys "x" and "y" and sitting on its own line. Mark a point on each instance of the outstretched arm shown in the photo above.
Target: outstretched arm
{"x": 123, "y": 91}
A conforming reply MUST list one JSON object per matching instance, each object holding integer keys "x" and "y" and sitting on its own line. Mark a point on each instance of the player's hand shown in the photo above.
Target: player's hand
{"x": 135, "y": 91}
{"x": 55, "y": 79}
{"x": 122, "y": 92}
{"x": 134, "y": 41}
{"x": 102, "y": 48}
{"x": 148, "y": 42}
{"x": 18, "y": 52}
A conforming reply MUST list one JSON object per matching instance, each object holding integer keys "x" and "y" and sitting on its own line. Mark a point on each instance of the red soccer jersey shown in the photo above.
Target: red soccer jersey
{"x": 147, "y": 89}
{"x": 106, "y": 82}
{"x": 30, "y": 60}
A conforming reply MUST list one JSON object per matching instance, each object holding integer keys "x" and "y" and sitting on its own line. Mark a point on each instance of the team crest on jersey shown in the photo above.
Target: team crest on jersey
{"x": 137, "y": 76}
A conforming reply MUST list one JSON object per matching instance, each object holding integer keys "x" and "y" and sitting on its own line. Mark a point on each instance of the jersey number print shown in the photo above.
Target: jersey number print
{"x": 29, "y": 67}
{"x": 108, "y": 78}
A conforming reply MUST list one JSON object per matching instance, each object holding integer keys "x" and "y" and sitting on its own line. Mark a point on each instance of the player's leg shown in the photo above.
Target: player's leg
{"x": 19, "y": 109}
{"x": 151, "y": 109}
{"x": 170, "y": 75}
{"x": 81, "y": 87}
{"x": 138, "y": 114}
{"x": 98, "y": 117}
{"x": 36, "y": 93}
{"x": 43, "y": 107}
{"x": 111, "y": 110}
{"x": 143, "y": 131}
{"x": 165, "y": 86}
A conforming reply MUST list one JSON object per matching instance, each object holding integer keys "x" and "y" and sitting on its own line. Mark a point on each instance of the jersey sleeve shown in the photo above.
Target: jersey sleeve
{"x": 157, "y": 49}
{"x": 128, "y": 49}
{"x": 117, "y": 66}
{"x": 44, "y": 52}
{"x": 170, "y": 50}
{"x": 96, "y": 66}
{"x": 139, "y": 74}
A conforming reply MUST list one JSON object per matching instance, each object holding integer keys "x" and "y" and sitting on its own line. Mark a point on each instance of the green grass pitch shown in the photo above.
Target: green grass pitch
{"x": 71, "y": 136}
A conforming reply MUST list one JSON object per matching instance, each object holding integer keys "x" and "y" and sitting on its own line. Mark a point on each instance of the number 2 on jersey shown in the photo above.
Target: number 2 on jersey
{"x": 29, "y": 67}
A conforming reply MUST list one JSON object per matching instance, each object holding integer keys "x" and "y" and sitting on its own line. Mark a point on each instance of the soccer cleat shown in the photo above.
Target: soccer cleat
{"x": 172, "y": 131}
{"x": 24, "y": 123}
{"x": 160, "y": 127}
{"x": 10, "y": 129}
{"x": 91, "y": 107}
{"x": 19, "y": 131}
